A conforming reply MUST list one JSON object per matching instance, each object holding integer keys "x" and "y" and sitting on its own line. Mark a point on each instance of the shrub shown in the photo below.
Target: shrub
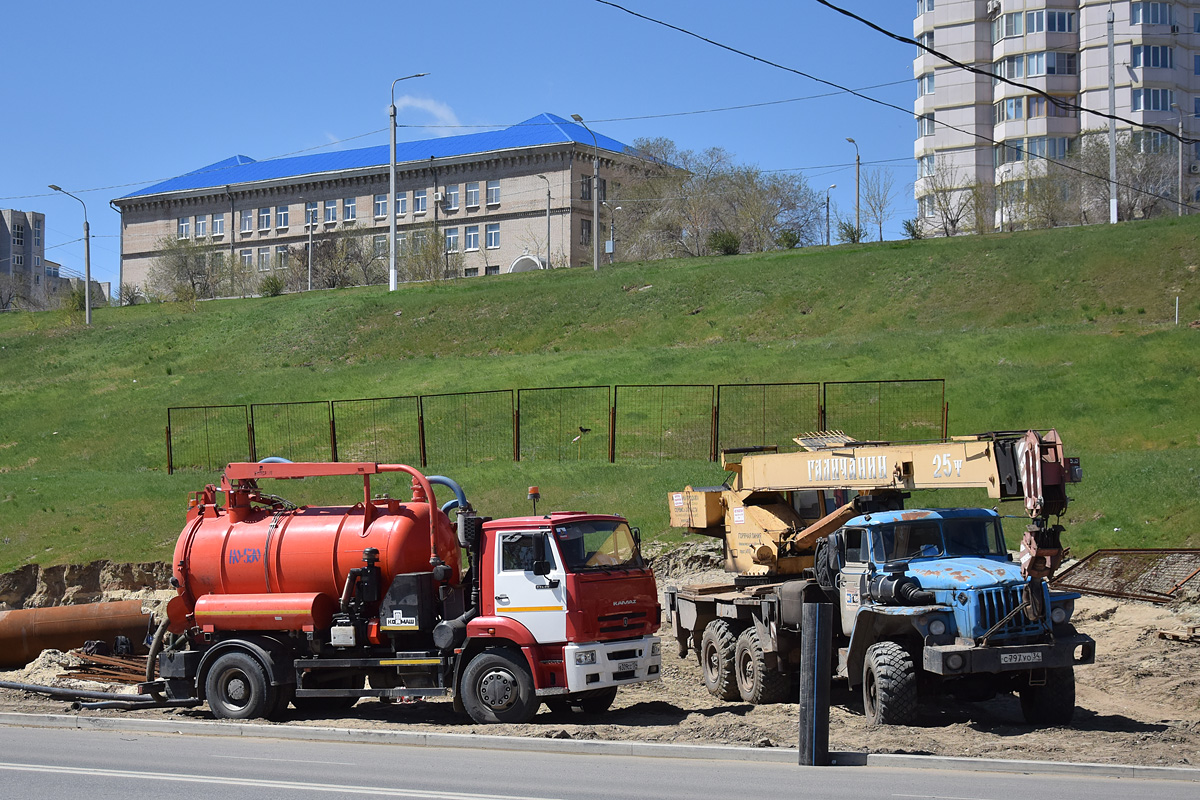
{"x": 725, "y": 243}
{"x": 272, "y": 285}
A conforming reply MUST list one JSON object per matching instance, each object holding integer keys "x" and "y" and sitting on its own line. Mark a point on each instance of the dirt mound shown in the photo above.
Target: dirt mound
{"x": 686, "y": 560}
{"x": 33, "y": 586}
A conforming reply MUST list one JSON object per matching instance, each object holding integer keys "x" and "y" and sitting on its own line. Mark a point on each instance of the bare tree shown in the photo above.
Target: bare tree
{"x": 1051, "y": 196}
{"x": 11, "y": 292}
{"x": 1146, "y": 174}
{"x": 982, "y": 206}
{"x": 184, "y": 270}
{"x": 950, "y": 198}
{"x": 878, "y": 197}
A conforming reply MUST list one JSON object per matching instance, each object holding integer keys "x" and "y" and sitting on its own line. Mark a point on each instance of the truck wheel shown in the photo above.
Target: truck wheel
{"x": 717, "y": 656}
{"x": 1053, "y": 703}
{"x": 497, "y": 687}
{"x": 889, "y": 685}
{"x": 236, "y": 688}
{"x": 757, "y": 683}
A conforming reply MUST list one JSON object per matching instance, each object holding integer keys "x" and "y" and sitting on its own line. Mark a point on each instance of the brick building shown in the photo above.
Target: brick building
{"x": 483, "y": 194}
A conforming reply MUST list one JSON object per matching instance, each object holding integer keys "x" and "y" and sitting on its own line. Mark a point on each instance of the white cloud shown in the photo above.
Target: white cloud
{"x": 440, "y": 113}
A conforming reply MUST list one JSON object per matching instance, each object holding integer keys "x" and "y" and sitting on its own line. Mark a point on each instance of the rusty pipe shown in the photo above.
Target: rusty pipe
{"x": 26, "y": 632}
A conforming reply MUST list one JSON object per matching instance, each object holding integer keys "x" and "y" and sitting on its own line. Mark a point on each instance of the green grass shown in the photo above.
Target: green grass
{"x": 1067, "y": 328}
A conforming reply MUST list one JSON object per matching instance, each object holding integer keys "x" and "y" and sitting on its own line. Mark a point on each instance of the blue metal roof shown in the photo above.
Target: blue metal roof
{"x": 540, "y": 130}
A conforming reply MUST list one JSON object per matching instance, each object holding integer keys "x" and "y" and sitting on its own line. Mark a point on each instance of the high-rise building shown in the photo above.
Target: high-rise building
{"x": 973, "y": 130}
{"x": 23, "y": 266}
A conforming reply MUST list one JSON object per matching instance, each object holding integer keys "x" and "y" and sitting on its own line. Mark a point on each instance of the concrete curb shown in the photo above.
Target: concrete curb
{"x": 777, "y": 755}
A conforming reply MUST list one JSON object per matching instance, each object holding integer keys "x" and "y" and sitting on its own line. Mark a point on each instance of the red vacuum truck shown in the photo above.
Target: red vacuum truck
{"x": 321, "y": 606}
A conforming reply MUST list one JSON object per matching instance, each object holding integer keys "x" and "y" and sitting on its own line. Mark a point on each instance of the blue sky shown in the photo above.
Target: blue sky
{"x": 105, "y": 98}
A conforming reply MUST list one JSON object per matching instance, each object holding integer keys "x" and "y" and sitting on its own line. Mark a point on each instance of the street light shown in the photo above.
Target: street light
{"x": 547, "y": 180}
{"x": 595, "y": 194}
{"x": 310, "y": 222}
{"x": 1179, "y": 111}
{"x": 857, "y": 165}
{"x": 392, "y": 187}
{"x": 612, "y": 230}
{"x": 831, "y": 187}
{"x": 87, "y": 259}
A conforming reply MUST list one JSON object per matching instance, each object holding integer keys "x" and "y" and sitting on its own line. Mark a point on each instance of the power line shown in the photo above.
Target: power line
{"x": 884, "y": 103}
{"x": 976, "y": 70}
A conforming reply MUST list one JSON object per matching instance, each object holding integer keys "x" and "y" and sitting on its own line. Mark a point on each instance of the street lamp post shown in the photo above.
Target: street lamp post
{"x": 831, "y": 187}
{"x": 547, "y": 180}
{"x": 1179, "y": 147}
{"x": 87, "y": 259}
{"x": 311, "y": 216}
{"x": 595, "y": 194}
{"x": 857, "y": 194}
{"x": 392, "y": 187}
{"x": 612, "y": 230}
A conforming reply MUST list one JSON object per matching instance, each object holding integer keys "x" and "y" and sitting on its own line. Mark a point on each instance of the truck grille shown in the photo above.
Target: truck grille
{"x": 631, "y": 623}
{"x": 995, "y": 605}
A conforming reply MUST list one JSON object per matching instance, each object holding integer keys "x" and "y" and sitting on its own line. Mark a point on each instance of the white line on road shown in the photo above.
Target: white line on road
{"x": 264, "y": 784}
{"x": 939, "y": 797}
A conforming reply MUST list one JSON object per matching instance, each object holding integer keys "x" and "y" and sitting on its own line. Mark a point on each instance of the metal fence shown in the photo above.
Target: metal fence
{"x": 592, "y": 423}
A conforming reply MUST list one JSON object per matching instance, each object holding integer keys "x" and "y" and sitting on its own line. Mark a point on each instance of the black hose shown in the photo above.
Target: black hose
{"x": 132, "y": 705}
{"x": 156, "y": 648}
{"x": 56, "y": 691}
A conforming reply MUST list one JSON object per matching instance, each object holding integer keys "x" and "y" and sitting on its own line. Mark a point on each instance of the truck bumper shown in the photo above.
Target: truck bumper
{"x": 612, "y": 663}
{"x": 1065, "y": 651}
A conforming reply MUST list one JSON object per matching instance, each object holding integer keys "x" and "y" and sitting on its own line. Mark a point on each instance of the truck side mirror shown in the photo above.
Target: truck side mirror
{"x": 541, "y": 567}
{"x": 836, "y": 552}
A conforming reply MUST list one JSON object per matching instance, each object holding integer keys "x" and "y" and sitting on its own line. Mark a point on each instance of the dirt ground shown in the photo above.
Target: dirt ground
{"x": 1138, "y": 704}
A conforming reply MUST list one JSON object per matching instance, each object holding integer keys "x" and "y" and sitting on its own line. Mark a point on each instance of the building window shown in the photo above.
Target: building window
{"x": 470, "y": 272}
{"x": 1195, "y": 23}
{"x": 379, "y": 247}
{"x": 330, "y": 211}
{"x": 247, "y": 256}
{"x": 1055, "y": 147}
{"x": 602, "y": 188}
{"x": 419, "y": 202}
{"x": 37, "y": 233}
{"x": 493, "y": 193}
{"x": 585, "y": 187}
{"x": 926, "y": 165}
{"x": 184, "y": 230}
{"x": 451, "y": 240}
{"x": 37, "y": 262}
{"x": 1035, "y": 21}
{"x": 923, "y": 6}
{"x": 18, "y": 235}
{"x": 247, "y": 217}
{"x": 1008, "y": 109}
{"x": 1011, "y": 67}
{"x": 491, "y": 269}
{"x": 1062, "y": 63}
{"x": 1153, "y": 99}
{"x": 925, "y": 205}
{"x": 471, "y": 232}
{"x": 925, "y": 125}
{"x": 264, "y": 219}
{"x": 473, "y": 195}
{"x": 1007, "y": 25}
{"x": 264, "y": 259}
{"x": 1155, "y": 57}
{"x": 350, "y": 209}
{"x": 401, "y": 203}
{"x": 1196, "y": 101}
{"x": 492, "y": 236}
{"x": 380, "y": 206}
{"x": 1039, "y": 106}
{"x": 452, "y": 197}
{"x": 18, "y": 261}
{"x": 310, "y": 213}
{"x": 1151, "y": 141}
{"x": 926, "y": 39}
{"x": 201, "y": 226}
{"x": 281, "y": 256}
{"x": 419, "y": 239}
{"x": 281, "y": 216}
{"x": 1150, "y": 13}
{"x": 401, "y": 243}
{"x": 218, "y": 228}
{"x": 1060, "y": 22}
{"x": 585, "y": 231}
{"x": 1008, "y": 152}
{"x": 925, "y": 84}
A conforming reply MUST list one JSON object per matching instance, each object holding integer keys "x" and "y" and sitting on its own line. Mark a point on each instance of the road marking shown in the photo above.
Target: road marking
{"x": 258, "y": 783}
{"x": 939, "y": 797}
{"x": 286, "y": 760}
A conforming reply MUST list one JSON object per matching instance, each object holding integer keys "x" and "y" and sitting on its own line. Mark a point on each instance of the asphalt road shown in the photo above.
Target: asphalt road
{"x": 64, "y": 764}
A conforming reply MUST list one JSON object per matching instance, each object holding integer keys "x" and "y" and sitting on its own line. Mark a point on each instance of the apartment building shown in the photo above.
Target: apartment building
{"x": 973, "y": 129}
{"x": 23, "y": 266}
{"x": 487, "y": 196}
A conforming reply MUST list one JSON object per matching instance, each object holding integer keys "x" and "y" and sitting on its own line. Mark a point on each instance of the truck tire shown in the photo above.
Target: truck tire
{"x": 497, "y": 687}
{"x": 236, "y": 688}
{"x": 757, "y": 683}
{"x": 889, "y": 685}
{"x": 717, "y": 658}
{"x": 1053, "y": 703}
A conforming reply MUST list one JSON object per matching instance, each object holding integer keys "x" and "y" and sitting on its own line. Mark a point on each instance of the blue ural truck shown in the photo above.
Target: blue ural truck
{"x": 927, "y": 602}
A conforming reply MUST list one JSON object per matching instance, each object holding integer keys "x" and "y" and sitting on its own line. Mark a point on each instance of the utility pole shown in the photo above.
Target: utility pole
{"x": 857, "y": 193}
{"x": 392, "y": 185}
{"x": 1179, "y": 148}
{"x": 547, "y": 180}
{"x": 595, "y": 194}
{"x": 87, "y": 259}
{"x": 831, "y": 187}
{"x": 1112, "y": 122}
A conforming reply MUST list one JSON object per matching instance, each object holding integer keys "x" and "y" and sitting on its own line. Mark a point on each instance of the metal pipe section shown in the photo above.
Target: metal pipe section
{"x": 63, "y": 693}
{"x": 26, "y": 632}
{"x": 816, "y": 661}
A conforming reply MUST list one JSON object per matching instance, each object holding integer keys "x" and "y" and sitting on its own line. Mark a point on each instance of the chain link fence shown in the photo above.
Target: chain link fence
{"x": 591, "y": 423}
{"x": 564, "y": 423}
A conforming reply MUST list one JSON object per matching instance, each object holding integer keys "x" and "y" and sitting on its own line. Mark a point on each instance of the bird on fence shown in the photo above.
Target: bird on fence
{"x": 582, "y": 431}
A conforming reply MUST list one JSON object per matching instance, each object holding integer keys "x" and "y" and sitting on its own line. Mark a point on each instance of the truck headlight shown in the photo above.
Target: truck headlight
{"x": 656, "y": 649}
{"x": 585, "y": 657}
{"x": 937, "y": 627}
{"x": 1058, "y": 615}
{"x": 954, "y": 661}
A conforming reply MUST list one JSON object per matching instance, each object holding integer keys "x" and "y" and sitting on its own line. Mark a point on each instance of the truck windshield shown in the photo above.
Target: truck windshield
{"x": 597, "y": 545}
{"x": 929, "y": 538}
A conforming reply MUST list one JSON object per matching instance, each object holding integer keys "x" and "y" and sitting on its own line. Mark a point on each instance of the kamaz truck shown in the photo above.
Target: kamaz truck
{"x": 927, "y": 601}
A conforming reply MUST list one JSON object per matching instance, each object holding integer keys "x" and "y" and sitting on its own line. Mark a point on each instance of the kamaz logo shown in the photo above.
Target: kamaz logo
{"x": 624, "y": 602}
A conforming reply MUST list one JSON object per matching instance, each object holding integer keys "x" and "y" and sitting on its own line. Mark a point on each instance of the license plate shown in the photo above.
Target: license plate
{"x": 626, "y": 666}
{"x": 1021, "y": 658}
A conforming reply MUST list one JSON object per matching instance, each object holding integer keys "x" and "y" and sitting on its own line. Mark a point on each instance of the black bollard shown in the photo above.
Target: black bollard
{"x": 816, "y": 662}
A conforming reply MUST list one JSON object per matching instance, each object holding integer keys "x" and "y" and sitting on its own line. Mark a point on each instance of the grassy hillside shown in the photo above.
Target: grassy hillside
{"x": 1067, "y": 328}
